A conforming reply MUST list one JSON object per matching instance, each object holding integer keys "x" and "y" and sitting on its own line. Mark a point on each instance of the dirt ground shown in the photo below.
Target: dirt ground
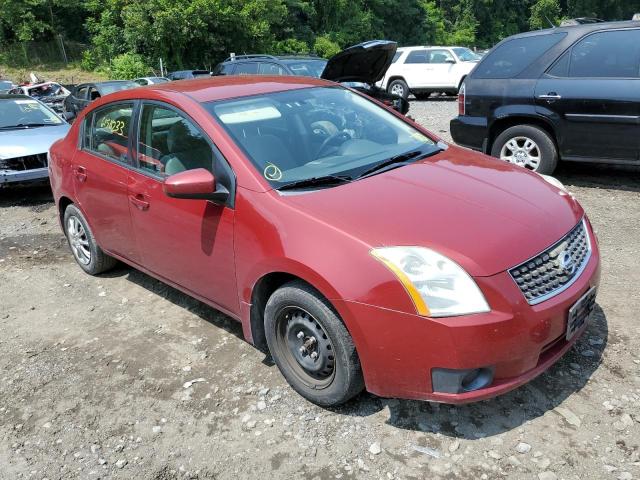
{"x": 123, "y": 377}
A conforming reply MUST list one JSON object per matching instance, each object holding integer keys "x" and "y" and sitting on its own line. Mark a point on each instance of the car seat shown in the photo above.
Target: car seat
{"x": 186, "y": 150}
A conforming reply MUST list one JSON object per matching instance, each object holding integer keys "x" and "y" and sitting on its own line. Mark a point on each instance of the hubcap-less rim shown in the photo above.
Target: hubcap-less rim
{"x": 397, "y": 89}
{"x": 306, "y": 347}
{"x": 522, "y": 151}
{"x": 78, "y": 241}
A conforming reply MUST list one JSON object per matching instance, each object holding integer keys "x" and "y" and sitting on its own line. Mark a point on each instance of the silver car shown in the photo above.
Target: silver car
{"x": 27, "y": 129}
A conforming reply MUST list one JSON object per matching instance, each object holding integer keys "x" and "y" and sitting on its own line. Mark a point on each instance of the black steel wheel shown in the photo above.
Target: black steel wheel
{"x": 311, "y": 345}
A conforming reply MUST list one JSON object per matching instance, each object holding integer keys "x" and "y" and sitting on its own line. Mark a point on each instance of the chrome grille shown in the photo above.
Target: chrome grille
{"x": 554, "y": 270}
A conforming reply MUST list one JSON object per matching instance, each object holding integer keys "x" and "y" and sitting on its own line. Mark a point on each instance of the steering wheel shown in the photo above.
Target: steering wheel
{"x": 341, "y": 136}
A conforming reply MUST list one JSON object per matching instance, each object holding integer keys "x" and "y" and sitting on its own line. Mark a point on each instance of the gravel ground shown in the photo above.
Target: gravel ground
{"x": 122, "y": 377}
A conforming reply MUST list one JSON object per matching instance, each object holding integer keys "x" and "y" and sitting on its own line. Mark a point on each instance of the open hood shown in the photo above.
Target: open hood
{"x": 366, "y": 62}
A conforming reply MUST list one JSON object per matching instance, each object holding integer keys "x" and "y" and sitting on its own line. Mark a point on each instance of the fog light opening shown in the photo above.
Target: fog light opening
{"x": 445, "y": 380}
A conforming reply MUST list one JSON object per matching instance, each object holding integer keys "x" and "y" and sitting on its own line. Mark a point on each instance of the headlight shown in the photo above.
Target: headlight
{"x": 438, "y": 286}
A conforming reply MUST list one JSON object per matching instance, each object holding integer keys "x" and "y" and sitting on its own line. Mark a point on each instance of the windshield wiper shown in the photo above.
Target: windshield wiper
{"x": 399, "y": 161}
{"x": 26, "y": 125}
{"x": 316, "y": 182}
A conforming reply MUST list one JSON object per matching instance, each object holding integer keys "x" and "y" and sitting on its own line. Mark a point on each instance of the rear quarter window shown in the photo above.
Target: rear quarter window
{"x": 514, "y": 56}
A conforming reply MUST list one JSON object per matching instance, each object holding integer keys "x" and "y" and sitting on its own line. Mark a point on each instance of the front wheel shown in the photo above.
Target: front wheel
{"x": 527, "y": 146}
{"x": 311, "y": 346}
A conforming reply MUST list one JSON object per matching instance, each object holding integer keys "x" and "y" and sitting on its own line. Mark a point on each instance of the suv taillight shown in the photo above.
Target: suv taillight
{"x": 461, "y": 100}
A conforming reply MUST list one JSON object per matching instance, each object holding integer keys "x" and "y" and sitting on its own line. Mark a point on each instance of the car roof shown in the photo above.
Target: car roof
{"x": 581, "y": 29}
{"x": 226, "y": 87}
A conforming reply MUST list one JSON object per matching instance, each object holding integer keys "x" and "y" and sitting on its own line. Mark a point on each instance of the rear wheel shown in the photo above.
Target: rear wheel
{"x": 85, "y": 250}
{"x": 527, "y": 146}
{"x": 311, "y": 345}
{"x": 399, "y": 87}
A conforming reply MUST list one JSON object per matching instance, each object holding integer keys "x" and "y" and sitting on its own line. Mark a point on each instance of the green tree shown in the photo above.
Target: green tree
{"x": 543, "y": 12}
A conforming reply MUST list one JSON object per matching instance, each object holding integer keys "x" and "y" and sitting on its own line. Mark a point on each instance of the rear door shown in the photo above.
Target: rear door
{"x": 101, "y": 171}
{"x": 186, "y": 242}
{"x": 414, "y": 68}
{"x": 592, "y": 93}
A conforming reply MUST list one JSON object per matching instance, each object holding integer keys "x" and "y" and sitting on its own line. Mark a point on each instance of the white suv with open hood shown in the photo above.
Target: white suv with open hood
{"x": 424, "y": 70}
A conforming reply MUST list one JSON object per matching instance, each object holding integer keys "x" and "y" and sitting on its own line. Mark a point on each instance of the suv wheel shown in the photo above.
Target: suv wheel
{"x": 83, "y": 245}
{"x": 527, "y": 146}
{"x": 399, "y": 87}
{"x": 311, "y": 345}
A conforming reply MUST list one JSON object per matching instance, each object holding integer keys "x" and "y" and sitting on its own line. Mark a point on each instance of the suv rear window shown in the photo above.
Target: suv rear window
{"x": 513, "y": 56}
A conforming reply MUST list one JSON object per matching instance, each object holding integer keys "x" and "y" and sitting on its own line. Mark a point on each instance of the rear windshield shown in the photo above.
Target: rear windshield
{"x": 513, "y": 56}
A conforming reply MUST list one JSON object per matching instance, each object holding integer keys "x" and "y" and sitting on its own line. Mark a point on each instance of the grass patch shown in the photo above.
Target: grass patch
{"x": 61, "y": 73}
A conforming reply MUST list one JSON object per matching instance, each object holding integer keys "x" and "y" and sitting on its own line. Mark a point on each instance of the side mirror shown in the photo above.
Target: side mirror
{"x": 195, "y": 184}
{"x": 450, "y": 60}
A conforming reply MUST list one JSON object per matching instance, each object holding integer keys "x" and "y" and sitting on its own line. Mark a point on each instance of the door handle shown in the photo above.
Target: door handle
{"x": 80, "y": 173}
{"x": 550, "y": 96}
{"x": 139, "y": 202}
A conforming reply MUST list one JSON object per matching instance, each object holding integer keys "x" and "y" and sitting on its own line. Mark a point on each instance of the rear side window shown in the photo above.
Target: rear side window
{"x": 417, "y": 56}
{"x": 513, "y": 56}
{"x": 107, "y": 131}
{"x": 613, "y": 54}
{"x": 396, "y": 57}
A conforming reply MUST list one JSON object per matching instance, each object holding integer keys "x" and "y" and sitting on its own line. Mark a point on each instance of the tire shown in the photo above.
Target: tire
{"x": 294, "y": 315}
{"x": 511, "y": 144}
{"x": 399, "y": 87}
{"x": 83, "y": 245}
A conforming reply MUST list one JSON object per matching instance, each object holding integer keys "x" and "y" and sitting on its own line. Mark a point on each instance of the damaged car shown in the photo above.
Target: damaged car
{"x": 50, "y": 93}
{"x": 27, "y": 130}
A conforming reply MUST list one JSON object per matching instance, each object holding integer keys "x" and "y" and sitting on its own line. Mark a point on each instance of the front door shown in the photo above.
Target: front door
{"x": 101, "y": 174}
{"x": 441, "y": 68}
{"x": 186, "y": 242}
{"x": 593, "y": 94}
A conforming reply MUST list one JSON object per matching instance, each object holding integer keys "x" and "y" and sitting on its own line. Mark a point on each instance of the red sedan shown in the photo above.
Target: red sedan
{"x": 355, "y": 245}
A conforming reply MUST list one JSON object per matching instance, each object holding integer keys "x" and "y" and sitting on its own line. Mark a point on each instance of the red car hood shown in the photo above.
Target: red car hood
{"x": 485, "y": 214}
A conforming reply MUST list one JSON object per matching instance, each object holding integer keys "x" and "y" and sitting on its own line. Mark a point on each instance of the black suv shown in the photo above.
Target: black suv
{"x": 304, "y": 65}
{"x": 569, "y": 93}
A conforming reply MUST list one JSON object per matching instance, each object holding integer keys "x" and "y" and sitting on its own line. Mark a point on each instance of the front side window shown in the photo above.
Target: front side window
{"x": 108, "y": 131}
{"x": 306, "y": 68}
{"x": 249, "y": 68}
{"x": 513, "y": 56}
{"x": 466, "y": 54}
{"x": 170, "y": 143}
{"x": 614, "y": 54}
{"x": 316, "y": 132}
{"x": 267, "y": 68}
{"x": 24, "y": 113}
{"x": 441, "y": 56}
{"x": 417, "y": 56}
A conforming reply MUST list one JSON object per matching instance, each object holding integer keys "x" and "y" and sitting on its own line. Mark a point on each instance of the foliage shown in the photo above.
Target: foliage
{"x": 325, "y": 47}
{"x": 89, "y": 61}
{"x": 199, "y": 33}
{"x": 128, "y": 65}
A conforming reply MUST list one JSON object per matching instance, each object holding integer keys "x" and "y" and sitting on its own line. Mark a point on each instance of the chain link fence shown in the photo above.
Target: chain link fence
{"x": 26, "y": 54}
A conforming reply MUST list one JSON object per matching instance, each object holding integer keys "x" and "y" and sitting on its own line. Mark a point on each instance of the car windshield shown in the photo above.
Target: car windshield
{"x": 4, "y": 85}
{"x": 466, "y": 55}
{"x": 306, "y": 68}
{"x": 25, "y": 112}
{"x": 107, "y": 88}
{"x": 159, "y": 79}
{"x": 317, "y": 132}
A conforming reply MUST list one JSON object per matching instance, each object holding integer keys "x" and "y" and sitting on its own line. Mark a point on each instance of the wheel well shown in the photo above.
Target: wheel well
{"x": 262, "y": 290}
{"x": 63, "y": 203}
{"x": 500, "y": 126}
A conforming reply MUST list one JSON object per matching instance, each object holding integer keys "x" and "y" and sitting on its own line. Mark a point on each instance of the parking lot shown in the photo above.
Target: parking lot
{"x": 121, "y": 376}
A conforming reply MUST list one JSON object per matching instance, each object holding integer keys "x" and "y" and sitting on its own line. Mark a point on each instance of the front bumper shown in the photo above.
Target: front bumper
{"x": 399, "y": 351}
{"x": 22, "y": 176}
